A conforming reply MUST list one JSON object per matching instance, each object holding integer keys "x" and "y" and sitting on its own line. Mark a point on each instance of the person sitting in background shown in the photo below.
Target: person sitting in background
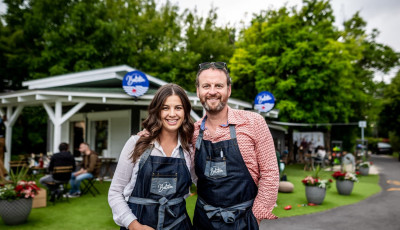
{"x": 63, "y": 158}
{"x": 87, "y": 170}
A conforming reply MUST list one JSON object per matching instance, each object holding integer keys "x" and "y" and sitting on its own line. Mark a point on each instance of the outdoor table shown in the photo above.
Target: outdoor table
{"x": 107, "y": 161}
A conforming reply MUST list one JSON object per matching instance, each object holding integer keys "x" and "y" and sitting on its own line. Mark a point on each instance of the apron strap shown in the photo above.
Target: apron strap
{"x": 227, "y": 214}
{"x": 181, "y": 153}
{"x": 144, "y": 157}
{"x": 199, "y": 139}
{"x": 201, "y": 132}
{"x": 232, "y": 130}
{"x": 164, "y": 205}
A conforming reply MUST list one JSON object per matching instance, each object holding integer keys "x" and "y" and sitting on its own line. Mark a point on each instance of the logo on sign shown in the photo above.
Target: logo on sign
{"x": 264, "y": 101}
{"x": 135, "y": 83}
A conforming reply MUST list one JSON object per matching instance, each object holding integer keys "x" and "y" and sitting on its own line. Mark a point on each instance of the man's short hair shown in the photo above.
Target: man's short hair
{"x": 228, "y": 77}
{"x": 63, "y": 147}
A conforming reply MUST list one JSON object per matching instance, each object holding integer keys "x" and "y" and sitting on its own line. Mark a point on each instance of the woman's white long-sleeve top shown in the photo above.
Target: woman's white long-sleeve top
{"x": 125, "y": 175}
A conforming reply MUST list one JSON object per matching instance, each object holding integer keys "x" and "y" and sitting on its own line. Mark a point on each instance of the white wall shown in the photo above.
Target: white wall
{"x": 119, "y": 129}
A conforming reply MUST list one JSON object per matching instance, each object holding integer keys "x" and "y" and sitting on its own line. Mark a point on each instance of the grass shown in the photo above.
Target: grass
{"x": 88, "y": 212}
{"x": 367, "y": 186}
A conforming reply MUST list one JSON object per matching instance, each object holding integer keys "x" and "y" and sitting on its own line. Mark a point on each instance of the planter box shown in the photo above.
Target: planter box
{"x": 40, "y": 200}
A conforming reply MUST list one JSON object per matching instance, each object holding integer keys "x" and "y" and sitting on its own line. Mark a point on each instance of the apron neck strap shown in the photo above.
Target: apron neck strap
{"x": 232, "y": 130}
{"x": 144, "y": 157}
{"x": 181, "y": 152}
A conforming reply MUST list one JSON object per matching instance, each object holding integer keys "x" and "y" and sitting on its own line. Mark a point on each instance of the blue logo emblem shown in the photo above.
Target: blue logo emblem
{"x": 264, "y": 101}
{"x": 135, "y": 83}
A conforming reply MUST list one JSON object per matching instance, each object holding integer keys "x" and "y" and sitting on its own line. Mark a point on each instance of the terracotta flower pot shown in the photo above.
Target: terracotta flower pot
{"x": 344, "y": 187}
{"x": 315, "y": 194}
{"x": 16, "y": 211}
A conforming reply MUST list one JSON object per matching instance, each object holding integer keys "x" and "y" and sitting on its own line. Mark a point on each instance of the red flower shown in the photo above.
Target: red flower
{"x": 19, "y": 188}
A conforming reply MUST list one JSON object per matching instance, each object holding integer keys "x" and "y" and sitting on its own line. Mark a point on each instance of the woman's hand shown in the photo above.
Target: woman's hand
{"x": 143, "y": 133}
{"x": 135, "y": 225}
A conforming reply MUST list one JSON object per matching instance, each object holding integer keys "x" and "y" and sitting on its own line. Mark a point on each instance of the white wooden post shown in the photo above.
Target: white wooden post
{"x": 11, "y": 119}
{"x": 58, "y": 119}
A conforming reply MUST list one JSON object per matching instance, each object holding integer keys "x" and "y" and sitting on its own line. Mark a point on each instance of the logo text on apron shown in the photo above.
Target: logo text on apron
{"x": 215, "y": 168}
{"x": 163, "y": 186}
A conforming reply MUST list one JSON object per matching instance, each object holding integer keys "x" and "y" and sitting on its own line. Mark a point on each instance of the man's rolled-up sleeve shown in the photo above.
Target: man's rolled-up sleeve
{"x": 268, "y": 182}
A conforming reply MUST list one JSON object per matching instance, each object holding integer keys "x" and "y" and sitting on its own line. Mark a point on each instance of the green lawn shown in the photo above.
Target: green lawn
{"x": 367, "y": 186}
{"x": 88, "y": 212}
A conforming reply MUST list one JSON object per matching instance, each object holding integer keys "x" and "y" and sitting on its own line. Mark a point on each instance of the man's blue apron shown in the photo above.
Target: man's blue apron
{"x": 225, "y": 188}
{"x": 158, "y": 197}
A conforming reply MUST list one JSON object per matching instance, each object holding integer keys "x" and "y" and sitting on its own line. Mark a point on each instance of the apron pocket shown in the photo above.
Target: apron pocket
{"x": 163, "y": 186}
{"x": 216, "y": 168}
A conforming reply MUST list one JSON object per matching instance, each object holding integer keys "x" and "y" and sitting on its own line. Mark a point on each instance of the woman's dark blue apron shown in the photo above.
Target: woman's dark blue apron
{"x": 225, "y": 188}
{"x": 158, "y": 197}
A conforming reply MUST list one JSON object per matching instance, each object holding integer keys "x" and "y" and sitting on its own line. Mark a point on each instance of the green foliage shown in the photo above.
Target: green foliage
{"x": 394, "y": 141}
{"x": 19, "y": 174}
{"x": 390, "y": 114}
{"x": 316, "y": 72}
{"x": 46, "y": 38}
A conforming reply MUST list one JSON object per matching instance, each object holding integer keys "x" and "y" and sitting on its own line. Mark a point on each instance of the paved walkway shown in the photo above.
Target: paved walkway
{"x": 380, "y": 211}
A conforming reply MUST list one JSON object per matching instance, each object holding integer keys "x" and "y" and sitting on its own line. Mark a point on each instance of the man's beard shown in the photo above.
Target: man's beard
{"x": 221, "y": 105}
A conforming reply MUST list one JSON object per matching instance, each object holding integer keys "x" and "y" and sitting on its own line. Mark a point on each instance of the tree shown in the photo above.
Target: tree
{"x": 57, "y": 37}
{"x": 296, "y": 55}
{"x": 317, "y": 73}
{"x": 390, "y": 114}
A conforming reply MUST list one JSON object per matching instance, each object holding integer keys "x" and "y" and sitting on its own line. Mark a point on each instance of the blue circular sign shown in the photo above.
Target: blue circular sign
{"x": 264, "y": 101}
{"x": 135, "y": 83}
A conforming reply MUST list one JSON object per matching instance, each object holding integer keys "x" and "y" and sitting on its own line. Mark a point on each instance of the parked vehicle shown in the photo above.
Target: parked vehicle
{"x": 384, "y": 148}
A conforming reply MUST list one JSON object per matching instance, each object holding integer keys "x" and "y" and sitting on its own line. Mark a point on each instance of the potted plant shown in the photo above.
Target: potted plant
{"x": 16, "y": 197}
{"x": 364, "y": 168}
{"x": 316, "y": 187}
{"x": 344, "y": 182}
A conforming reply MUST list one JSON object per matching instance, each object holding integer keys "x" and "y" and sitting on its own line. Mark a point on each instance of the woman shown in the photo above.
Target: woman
{"x": 152, "y": 176}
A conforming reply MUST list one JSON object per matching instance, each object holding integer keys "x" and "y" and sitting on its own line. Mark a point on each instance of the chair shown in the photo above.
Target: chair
{"x": 89, "y": 184}
{"x": 61, "y": 185}
{"x": 16, "y": 166}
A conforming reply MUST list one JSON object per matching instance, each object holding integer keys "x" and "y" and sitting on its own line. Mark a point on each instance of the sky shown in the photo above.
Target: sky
{"x": 383, "y": 15}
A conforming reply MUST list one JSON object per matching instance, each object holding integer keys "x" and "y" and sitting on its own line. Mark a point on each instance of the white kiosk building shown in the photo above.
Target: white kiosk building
{"x": 89, "y": 106}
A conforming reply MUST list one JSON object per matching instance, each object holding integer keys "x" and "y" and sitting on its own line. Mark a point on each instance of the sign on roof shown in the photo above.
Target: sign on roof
{"x": 135, "y": 83}
{"x": 264, "y": 101}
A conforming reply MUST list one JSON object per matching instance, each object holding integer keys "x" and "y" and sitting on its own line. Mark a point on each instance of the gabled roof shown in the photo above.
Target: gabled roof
{"x": 100, "y": 77}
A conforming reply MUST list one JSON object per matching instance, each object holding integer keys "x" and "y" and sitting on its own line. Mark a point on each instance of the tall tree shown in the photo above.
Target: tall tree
{"x": 390, "y": 115}
{"x": 317, "y": 72}
{"x": 296, "y": 55}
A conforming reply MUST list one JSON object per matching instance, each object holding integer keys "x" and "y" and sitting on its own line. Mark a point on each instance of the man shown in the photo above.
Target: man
{"x": 63, "y": 158}
{"x": 87, "y": 170}
{"x": 235, "y": 161}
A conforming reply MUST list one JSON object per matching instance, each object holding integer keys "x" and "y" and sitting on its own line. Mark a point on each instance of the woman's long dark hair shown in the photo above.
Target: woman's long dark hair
{"x": 153, "y": 123}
